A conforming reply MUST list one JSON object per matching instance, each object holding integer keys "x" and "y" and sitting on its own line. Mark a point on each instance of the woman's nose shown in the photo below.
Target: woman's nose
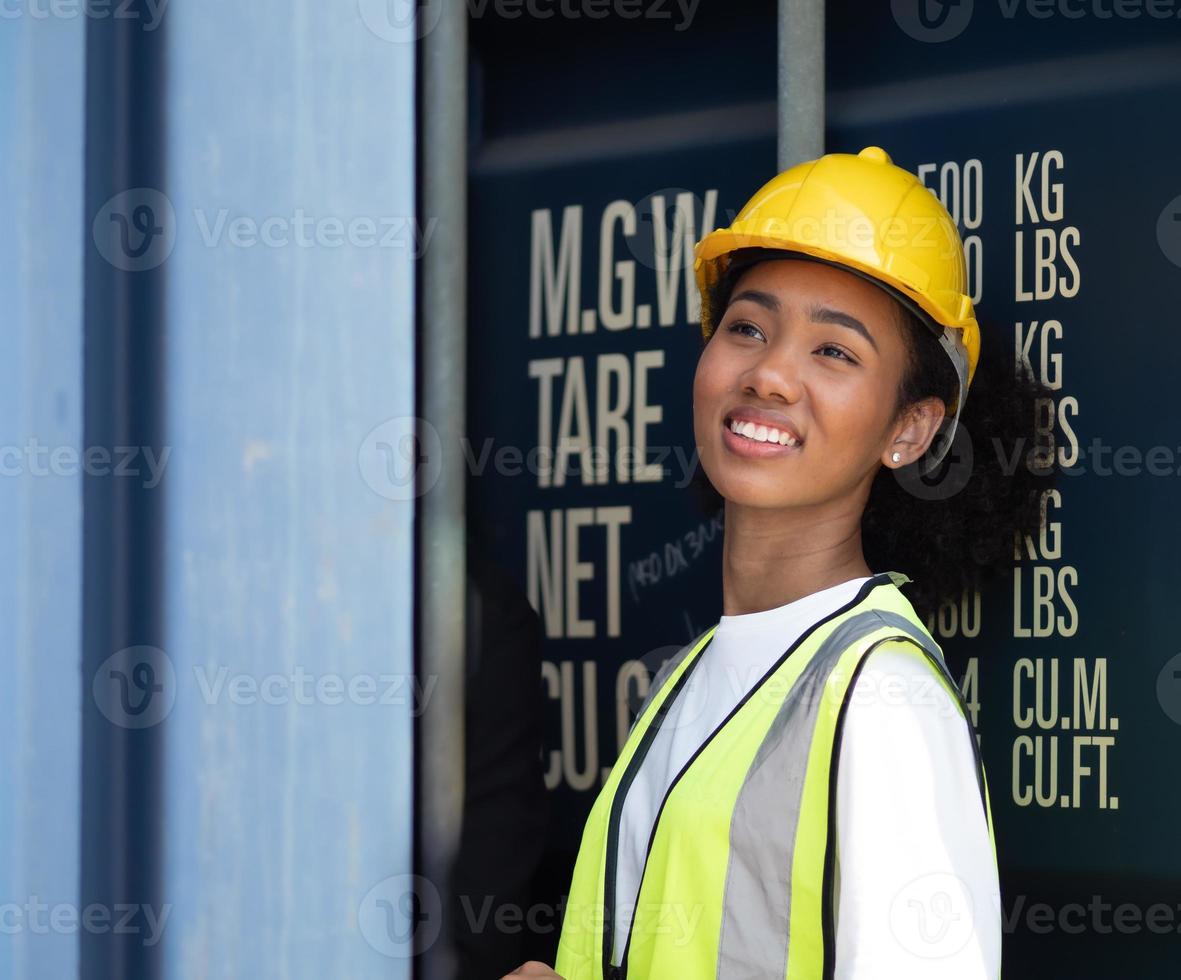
{"x": 776, "y": 375}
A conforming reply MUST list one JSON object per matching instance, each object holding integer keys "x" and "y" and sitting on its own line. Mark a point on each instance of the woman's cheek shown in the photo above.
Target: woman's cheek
{"x": 701, "y": 404}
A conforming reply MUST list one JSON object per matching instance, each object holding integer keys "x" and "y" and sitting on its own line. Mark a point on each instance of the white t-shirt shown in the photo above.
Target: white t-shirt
{"x": 916, "y": 888}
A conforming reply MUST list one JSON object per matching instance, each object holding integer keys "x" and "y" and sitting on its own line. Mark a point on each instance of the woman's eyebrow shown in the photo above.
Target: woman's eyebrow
{"x": 767, "y": 300}
{"x": 817, "y": 314}
{"x": 823, "y": 314}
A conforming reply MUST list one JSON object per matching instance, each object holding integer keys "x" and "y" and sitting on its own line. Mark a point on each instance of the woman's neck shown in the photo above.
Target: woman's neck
{"x": 771, "y": 558}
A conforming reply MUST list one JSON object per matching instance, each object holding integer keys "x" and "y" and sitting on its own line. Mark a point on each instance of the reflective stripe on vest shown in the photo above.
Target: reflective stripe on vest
{"x": 738, "y": 881}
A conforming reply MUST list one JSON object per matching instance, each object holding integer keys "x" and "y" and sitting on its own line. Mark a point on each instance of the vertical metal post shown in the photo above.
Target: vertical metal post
{"x": 123, "y": 573}
{"x": 442, "y": 564}
{"x": 801, "y": 81}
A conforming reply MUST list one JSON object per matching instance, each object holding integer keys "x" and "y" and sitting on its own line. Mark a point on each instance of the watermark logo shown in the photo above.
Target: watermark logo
{"x": 40, "y": 918}
{"x": 401, "y": 915}
{"x": 952, "y": 473}
{"x": 37, "y": 459}
{"x": 136, "y": 687}
{"x": 932, "y": 21}
{"x": 401, "y": 458}
{"x": 400, "y": 21}
{"x": 932, "y": 915}
{"x": 1105, "y": 918}
{"x": 1168, "y": 689}
{"x": 304, "y": 230}
{"x": 218, "y": 684}
{"x": 690, "y": 702}
{"x": 91, "y": 9}
{"x": 135, "y": 230}
{"x": 657, "y": 233}
{"x": 1168, "y": 231}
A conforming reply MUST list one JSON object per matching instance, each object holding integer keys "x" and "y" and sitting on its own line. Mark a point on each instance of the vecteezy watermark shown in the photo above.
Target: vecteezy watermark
{"x": 932, "y": 916}
{"x": 135, "y": 687}
{"x": 1168, "y": 231}
{"x": 837, "y": 229}
{"x": 949, "y": 477}
{"x": 219, "y": 684}
{"x": 1040, "y": 456}
{"x": 658, "y": 230}
{"x": 401, "y": 915}
{"x": 393, "y": 453}
{"x": 668, "y": 10}
{"x": 35, "y": 459}
{"x": 304, "y": 231}
{"x": 138, "y": 687}
{"x": 934, "y": 21}
{"x": 1124, "y": 918}
{"x": 1097, "y": 458}
{"x": 64, "y": 918}
{"x": 399, "y": 22}
{"x": 1168, "y": 689}
{"x": 136, "y": 230}
{"x": 402, "y": 458}
{"x": 935, "y": 915}
{"x": 92, "y": 9}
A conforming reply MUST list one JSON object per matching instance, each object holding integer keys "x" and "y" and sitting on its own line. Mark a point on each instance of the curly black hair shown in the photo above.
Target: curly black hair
{"x": 957, "y": 528}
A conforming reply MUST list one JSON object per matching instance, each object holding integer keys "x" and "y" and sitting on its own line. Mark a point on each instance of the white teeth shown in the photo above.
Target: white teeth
{"x": 762, "y": 433}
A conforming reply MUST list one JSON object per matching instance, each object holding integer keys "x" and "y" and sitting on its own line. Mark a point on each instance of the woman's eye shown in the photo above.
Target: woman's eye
{"x": 827, "y": 347}
{"x": 741, "y": 325}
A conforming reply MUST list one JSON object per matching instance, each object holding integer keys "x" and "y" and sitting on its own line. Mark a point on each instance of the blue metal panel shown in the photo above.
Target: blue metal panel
{"x": 41, "y": 106}
{"x": 288, "y": 598}
{"x": 258, "y": 617}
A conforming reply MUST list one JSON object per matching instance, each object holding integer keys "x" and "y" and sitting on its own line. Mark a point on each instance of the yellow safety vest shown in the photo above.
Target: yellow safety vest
{"x": 741, "y": 848}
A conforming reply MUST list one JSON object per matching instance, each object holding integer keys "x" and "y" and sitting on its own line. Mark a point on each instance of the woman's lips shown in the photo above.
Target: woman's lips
{"x": 751, "y": 448}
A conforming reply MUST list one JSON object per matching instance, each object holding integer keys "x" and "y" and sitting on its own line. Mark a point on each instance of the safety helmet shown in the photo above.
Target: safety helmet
{"x": 865, "y": 215}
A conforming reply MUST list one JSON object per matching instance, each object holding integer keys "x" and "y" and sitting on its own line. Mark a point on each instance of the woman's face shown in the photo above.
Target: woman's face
{"x": 816, "y": 353}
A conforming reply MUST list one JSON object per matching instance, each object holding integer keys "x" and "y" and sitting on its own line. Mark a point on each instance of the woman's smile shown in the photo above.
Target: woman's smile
{"x": 747, "y": 435}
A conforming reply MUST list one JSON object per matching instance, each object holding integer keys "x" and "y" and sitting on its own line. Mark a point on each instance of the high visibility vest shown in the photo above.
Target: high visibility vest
{"x": 741, "y": 849}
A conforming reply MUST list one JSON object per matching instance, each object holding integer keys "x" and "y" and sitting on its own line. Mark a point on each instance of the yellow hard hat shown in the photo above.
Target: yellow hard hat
{"x": 864, "y": 214}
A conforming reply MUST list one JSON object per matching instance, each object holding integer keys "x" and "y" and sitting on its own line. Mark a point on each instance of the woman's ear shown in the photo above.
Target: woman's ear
{"x": 913, "y": 434}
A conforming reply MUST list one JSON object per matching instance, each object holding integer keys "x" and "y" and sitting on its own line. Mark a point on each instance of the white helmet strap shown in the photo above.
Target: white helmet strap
{"x": 951, "y": 343}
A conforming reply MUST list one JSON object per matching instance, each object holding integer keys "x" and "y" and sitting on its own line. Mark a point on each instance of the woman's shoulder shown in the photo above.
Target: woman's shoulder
{"x": 905, "y": 728}
{"x": 899, "y": 674}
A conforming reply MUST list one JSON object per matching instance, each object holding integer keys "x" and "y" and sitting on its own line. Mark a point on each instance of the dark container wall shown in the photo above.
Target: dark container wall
{"x": 591, "y": 137}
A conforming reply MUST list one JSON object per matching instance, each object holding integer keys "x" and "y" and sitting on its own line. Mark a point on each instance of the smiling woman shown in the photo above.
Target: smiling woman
{"x": 953, "y": 530}
{"x": 818, "y": 353}
{"x": 774, "y": 811}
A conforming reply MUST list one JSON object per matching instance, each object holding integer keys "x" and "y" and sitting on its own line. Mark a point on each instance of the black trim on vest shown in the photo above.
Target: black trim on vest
{"x": 620, "y": 972}
{"x": 625, "y": 781}
{"x": 826, "y": 894}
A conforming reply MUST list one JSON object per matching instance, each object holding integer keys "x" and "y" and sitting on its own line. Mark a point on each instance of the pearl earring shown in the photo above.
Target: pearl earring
{"x": 896, "y": 457}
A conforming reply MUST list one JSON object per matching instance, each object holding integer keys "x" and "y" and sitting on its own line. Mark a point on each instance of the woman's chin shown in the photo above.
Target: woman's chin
{"x": 756, "y": 494}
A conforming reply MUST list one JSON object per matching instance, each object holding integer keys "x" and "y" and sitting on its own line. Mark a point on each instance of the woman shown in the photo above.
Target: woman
{"x": 801, "y": 794}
